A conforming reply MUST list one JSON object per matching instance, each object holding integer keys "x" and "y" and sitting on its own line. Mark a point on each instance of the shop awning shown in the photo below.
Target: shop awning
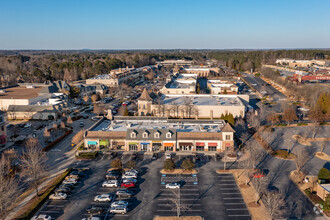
{"x": 132, "y": 143}
{"x": 168, "y": 144}
{"x": 200, "y": 144}
{"x": 185, "y": 144}
{"x": 212, "y": 144}
{"x": 145, "y": 143}
{"x": 92, "y": 143}
{"x": 104, "y": 142}
{"x": 227, "y": 144}
{"x": 159, "y": 142}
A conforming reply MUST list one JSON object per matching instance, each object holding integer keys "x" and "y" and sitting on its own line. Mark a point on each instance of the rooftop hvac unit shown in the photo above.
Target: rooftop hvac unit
{"x": 3, "y": 91}
{"x": 30, "y": 87}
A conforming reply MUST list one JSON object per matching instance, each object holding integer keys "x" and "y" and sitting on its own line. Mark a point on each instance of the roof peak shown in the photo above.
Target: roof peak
{"x": 145, "y": 96}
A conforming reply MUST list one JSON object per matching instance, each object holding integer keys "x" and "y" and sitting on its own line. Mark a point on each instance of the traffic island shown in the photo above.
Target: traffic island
{"x": 177, "y": 218}
{"x": 322, "y": 156}
{"x": 178, "y": 171}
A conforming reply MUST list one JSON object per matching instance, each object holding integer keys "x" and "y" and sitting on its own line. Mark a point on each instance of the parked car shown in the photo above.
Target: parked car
{"x": 27, "y": 125}
{"x": 91, "y": 218}
{"x": 124, "y": 193}
{"x": 110, "y": 183}
{"x": 67, "y": 185}
{"x": 119, "y": 209}
{"x": 63, "y": 190}
{"x": 41, "y": 217}
{"x": 102, "y": 198}
{"x": 113, "y": 155}
{"x": 130, "y": 180}
{"x": 129, "y": 175}
{"x": 197, "y": 157}
{"x": 172, "y": 186}
{"x": 73, "y": 181}
{"x": 111, "y": 175}
{"x": 72, "y": 176}
{"x": 58, "y": 196}
{"x": 258, "y": 174}
{"x": 81, "y": 124}
{"x": 218, "y": 157}
{"x": 95, "y": 209}
{"x": 127, "y": 184}
{"x": 79, "y": 173}
{"x": 168, "y": 156}
{"x": 154, "y": 156}
{"x": 134, "y": 156}
{"x": 132, "y": 171}
{"x": 119, "y": 203}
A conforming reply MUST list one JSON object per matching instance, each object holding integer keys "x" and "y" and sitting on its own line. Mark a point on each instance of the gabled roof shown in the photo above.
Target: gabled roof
{"x": 145, "y": 96}
{"x": 227, "y": 128}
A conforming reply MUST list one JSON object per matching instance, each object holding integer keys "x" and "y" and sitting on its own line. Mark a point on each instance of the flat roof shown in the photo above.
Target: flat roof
{"x": 179, "y": 126}
{"x": 326, "y": 187}
{"x": 20, "y": 92}
{"x": 217, "y": 100}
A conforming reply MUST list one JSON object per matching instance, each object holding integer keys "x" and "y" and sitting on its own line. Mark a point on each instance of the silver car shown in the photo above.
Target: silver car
{"x": 119, "y": 209}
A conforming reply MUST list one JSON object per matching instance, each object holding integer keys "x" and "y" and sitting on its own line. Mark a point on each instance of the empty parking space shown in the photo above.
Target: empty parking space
{"x": 186, "y": 198}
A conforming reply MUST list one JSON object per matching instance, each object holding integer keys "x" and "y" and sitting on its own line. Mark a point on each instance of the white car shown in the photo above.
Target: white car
{"x": 27, "y": 125}
{"x": 119, "y": 203}
{"x": 172, "y": 186}
{"x": 119, "y": 209}
{"x": 132, "y": 171}
{"x": 129, "y": 180}
{"x": 91, "y": 218}
{"x": 129, "y": 175}
{"x": 72, "y": 181}
{"x": 41, "y": 217}
{"x": 110, "y": 183}
{"x": 58, "y": 196}
{"x": 168, "y": 156}
{"x": 102, "y": 198}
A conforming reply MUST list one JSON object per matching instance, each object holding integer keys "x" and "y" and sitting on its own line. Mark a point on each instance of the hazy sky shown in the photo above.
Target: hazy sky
{"x": 164, "y": 24}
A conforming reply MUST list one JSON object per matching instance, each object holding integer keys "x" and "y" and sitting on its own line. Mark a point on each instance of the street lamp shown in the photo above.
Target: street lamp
{"x": 299, "y": 114}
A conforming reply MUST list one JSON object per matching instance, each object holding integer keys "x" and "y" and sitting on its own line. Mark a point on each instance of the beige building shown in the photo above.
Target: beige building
{"x": 302, "y": 63}
{"x": 181, "y": 84}
{"x": 192, "y": 106}
{"x": 323, "y": 190}
{"x": 221, "y": 87}
{"x": 160, "y": 134}
{"x": 175, "y": 62}
{"x": 200, "y": 71}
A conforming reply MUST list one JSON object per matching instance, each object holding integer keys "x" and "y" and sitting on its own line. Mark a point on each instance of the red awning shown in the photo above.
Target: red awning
{"x": 200, "y": 144}
{"x": 212, "y": 144}
{"x": 227, "y": 144}
{"x": 185, "y": 144}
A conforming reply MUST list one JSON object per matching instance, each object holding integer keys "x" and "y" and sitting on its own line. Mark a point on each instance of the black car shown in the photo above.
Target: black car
{"x": 154, "y": 156}
{"x": 218, "y": 157}
{"x": 197, "y": 157}
{"x": 63, "y": 190}
{"x": 134, "y": 156}
{"x": 79, "y": 173}
{"x": 94, "y": 209}
{"x": 113, "y": 155}
{"x": 67, "y": 185}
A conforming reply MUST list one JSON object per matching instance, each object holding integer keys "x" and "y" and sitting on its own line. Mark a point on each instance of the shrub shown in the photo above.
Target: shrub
{"x": 188, "y": 164}
{"x": 81, "y": 147}
{"x": 283, "y": 154}
{"x": 131, "y": 164}
{"x": 300, "y": 124}
{"x": 169, "y": 164}
{"x": 117, "y": 164}
{"x": 324, "y": 174}
{"x": 281, "y": 125}
{"x": 87, "y": 155}
{"x": 323, "y": 123}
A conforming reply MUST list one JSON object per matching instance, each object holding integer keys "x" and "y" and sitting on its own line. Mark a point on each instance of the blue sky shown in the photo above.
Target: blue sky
{"x": 164, "y": 24}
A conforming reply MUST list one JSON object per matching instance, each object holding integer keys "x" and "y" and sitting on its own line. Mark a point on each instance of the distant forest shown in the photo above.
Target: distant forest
{"x": 39, "y": 66}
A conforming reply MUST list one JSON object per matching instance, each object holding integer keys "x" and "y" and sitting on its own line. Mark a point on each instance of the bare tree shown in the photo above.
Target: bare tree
{"x": 260, "y": 186}
{"x": 244, "y": 137}
{"x": 289, "y": 115}
{"x": 86, "y": 99}
{"x": 189, "y": 107}
{"x": 176, "y": 109}
{"x": 323, "y": 145}
{"x": 33, "y": 162}
{"x": 179, "y": 207}
{"x": 69, "y": 120}
{"x": 8, "y": 185}
{"x": 275, "y": 203}
{"x": 301, "y": 159}
{"x": 99, "y": 109}
{"x": 253, "y": 121}
{"x": 255, "y": 153}
{"x": 272, "y": 118}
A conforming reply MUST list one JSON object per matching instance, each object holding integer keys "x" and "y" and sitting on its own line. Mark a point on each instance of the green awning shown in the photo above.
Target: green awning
{"x": 132, "y": 143}
{"x": 104, "y": 142}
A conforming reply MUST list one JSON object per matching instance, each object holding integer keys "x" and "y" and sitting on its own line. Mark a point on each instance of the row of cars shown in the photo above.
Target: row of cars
{"x": 115, "y": 179}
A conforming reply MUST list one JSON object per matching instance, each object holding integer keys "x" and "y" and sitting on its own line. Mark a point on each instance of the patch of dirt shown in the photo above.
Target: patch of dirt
{"x": 322, "y": 156}
{"x": 301, "y": 140}
{"x": 244, "y": 186}
{"x": 253, "y": 205}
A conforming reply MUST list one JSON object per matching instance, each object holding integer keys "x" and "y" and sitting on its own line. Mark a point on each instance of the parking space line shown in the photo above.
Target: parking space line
{"x": 239, "y": 215}
{"x": 234, "y": 203}
{"x": 237, "y": 209}
{"x": 233, "y": 198}
{"x": 172, "y": 198}
{"x": 231, "y": 193}
{"x": 227, "y": 184}
{"x": 54, "y": 211}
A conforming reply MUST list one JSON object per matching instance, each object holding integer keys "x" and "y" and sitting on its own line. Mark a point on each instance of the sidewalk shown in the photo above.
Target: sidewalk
{"x": 7, "y": 145}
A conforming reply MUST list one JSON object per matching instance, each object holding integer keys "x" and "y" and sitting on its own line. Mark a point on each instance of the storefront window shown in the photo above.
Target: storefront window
{"x": 200, "y": 148}
{"x": 212, "y": 148}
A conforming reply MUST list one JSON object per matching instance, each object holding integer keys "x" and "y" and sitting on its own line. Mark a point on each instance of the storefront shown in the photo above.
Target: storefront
{"x": 104, "y": 143}
{"x": 144, "y": 146}
{"x": 185, "y": 146}
{"x": 168, "y": 146}
{"x": 118, "y": 145}
{"x": 156, "y": 145}
{"x": 91, "y": 144}
{"x": 132, "y": 146}
{"x": 212, "y": 146}
{"x": 200, "y": 146}
{"x": 228, "y": 146}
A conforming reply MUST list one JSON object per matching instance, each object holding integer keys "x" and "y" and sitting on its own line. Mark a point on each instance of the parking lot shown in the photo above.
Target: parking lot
{"x": 197, "y": 195}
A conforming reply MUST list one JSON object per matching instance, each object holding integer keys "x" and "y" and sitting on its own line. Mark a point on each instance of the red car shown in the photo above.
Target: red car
{"x": 258, "y": 175}
{"x": 127, "y": 184}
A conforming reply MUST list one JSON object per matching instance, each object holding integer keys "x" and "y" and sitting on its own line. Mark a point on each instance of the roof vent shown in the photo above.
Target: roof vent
{"x": 3, "y": 91}
{"x": 30, "y": 87}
